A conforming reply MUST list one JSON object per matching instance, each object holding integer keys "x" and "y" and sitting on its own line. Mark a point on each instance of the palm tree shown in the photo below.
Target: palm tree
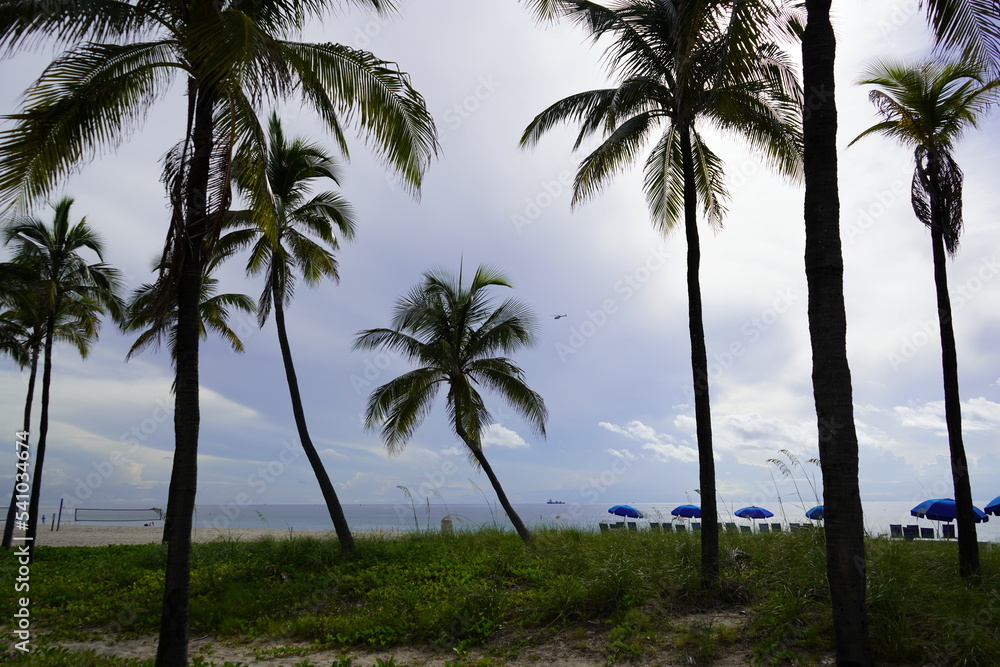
{"x": 280, "y": 225}
{"x": 452, "y": 332}
{"x": 965, "y": 24}
{"x": 156, "y": 319}
{"x": 679, "y": 65}
{"x": 232, "y": 54}
{"x": 22, "y": 334}
{"x": 153, "y": 313}
{"x": 928, "y": 107}
{"x": 64, "y": 283}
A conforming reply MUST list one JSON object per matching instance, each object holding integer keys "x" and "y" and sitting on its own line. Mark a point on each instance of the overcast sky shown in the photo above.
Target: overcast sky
{"x": 615, "y": 372}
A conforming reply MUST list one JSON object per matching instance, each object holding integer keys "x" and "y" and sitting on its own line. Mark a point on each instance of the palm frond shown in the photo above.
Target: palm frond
{"x": 86, "y": 100}
{"x": 374, "y": 94}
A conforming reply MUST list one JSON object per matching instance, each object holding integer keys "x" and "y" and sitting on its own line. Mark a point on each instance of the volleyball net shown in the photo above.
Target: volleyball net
{"x": 117, "y": 515}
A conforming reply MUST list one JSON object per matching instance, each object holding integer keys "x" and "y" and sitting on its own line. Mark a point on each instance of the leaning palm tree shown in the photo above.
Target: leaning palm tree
{"x": 678, "y": 66}
{"x": 290, "y": 232}
{"x": 232, "y": 55}
{"x": 928, "y": 107}
{"x": 65, "y": 282}
{"x": 453, "y": 332}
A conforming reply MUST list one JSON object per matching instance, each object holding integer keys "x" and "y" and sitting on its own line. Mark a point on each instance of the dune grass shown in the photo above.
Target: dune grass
{"x": 472, "y": 588}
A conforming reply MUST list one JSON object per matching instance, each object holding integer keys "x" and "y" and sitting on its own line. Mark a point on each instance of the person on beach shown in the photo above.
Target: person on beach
{"x": 43, "y": 519}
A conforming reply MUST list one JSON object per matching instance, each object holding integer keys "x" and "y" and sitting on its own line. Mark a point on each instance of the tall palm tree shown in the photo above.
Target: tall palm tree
{"x": 453, "y": 332}
{"x": 964, "y": 24}
{"x": 679, "y": 65}
{"x": 22, "y": 335}
{"x": 292, "y": 232}
{"x": 233, "y": 55}
{"x": 928, "y": 107}
{"x": 63, "y": 280}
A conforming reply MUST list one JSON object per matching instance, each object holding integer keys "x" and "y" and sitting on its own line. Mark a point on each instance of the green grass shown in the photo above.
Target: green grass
{"x": 640, "y": 590}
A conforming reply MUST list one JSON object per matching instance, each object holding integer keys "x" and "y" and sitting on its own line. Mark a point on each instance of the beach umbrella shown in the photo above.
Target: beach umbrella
{"x": 993, "y": 507}
{"x": 625, "y": 511}
{"x": 687, "y": 511}
{"x": 815, "y": 513}
{"x": 753, "y": 512}
{"x": 943, "y": 509}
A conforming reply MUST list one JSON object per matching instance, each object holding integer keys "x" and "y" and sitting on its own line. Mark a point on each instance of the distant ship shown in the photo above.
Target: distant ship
{"x": 555, "y": 502}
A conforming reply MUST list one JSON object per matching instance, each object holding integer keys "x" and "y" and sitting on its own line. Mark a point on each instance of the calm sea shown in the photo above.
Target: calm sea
{"x": 423, "y": 517}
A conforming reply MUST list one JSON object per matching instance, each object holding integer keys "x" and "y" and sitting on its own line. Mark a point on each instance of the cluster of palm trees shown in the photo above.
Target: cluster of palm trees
{"x": 676, "y": 65}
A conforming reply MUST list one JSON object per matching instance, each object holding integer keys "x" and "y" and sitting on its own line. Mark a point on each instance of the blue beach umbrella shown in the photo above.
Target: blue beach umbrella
{"x": 815, "y": 513}
{"x": 993, "y": 507}
{"x": 625, "y": 511}
{"x": 753, "y": 512}
{"x": 944, "y": 509}
{"x": 687, "y": 511}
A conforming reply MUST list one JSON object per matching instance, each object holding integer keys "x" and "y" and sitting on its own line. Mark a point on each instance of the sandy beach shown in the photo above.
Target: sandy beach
{"x": 96, "y": 535}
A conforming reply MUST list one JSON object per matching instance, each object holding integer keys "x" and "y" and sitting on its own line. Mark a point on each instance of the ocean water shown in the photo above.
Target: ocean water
{"x": 388, "y": 518}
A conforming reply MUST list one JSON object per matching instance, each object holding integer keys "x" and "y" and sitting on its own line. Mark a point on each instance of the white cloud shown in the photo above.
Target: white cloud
{"x": 978, "y": 414}
{"x": 623, "y": 454}
{"x": 498, "y": 435}
{"x": 662, "y": 446}
{"x": 334, "y": 454}
{"x": 666, "y": 453}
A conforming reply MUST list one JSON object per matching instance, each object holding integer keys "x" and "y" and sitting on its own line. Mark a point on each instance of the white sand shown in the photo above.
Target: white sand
{"x": 97, "y": 535}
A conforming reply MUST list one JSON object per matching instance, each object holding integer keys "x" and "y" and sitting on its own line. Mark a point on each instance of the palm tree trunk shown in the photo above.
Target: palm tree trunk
{"x": 699, "y": 369}
{"x": 477, "y": 453}
{"x": 8, "y": 528}
{"x": 325, "y": 485}
{"x": 173, "y": 641}
{"x": 968, "y": 542}
{"x": 43, "y": 431}
{"x": 832, "y": 390}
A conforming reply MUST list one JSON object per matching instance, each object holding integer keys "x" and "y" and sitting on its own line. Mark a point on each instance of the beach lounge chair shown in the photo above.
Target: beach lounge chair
{"x": 927, "y": 533}
{"x": 632, "y": 526}
{"x": 948, "y": 531}
{"x": 680, "y": 528}
{"x": 667, "y": 527}
{"x": 910, "y": 532}
{"x": 604, "y": 527}
{"x": 654, "y": 525}
{"x": 896, "y": 530}
{"x": 696, "y": 526}
{"x": 616, "y": 526}
{"x": 763, "y": 528}
{"x": 731, "y": 526}
{"x": 775, "y": 527}
{"x": 745, "y": 529}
